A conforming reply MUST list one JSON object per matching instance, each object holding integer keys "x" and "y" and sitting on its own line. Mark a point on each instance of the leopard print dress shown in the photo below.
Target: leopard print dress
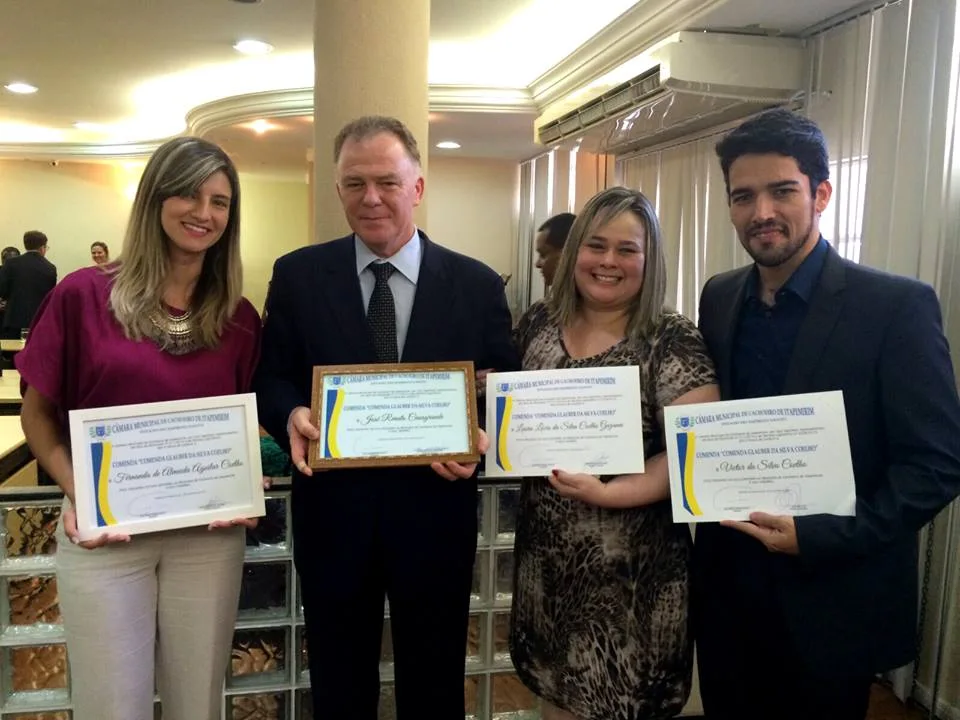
{"x": 600, "y": 603}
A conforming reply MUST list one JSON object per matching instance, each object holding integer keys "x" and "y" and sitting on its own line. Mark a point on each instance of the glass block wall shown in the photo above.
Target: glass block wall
{"x": 267, "y": 677}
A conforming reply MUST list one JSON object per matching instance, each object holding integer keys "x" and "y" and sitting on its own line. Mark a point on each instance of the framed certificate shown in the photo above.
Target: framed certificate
{"x": 398, "y": 414}
{"x": 159, "y": 466}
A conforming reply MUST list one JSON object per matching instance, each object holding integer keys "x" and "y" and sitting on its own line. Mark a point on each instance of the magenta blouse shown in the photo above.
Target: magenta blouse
{"x": 77, "y": 356}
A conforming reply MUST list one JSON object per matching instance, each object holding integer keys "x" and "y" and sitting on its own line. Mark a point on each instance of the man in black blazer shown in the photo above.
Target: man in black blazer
{"x": 25, "y": 281}
{"x": 407, "y": 533}
{"x": 794, "y": 616}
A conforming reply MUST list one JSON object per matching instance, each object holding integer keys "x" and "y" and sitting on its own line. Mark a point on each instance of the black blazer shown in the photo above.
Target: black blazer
{"x": 315, "y": 316}
{"x": 850, "y": 598}
{"x": 25, "y": 281}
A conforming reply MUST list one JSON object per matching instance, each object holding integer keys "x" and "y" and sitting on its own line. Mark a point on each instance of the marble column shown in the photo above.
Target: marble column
{"x": 370, "y": 59}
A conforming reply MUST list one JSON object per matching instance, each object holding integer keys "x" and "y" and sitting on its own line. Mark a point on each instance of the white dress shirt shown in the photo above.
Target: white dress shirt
{"x": 403, "y": 283}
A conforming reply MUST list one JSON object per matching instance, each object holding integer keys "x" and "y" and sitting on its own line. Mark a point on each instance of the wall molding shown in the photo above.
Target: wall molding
{"x": 243, "y": 108}
{"x": 90, "y": 151}
{"x": 640, "y": 27}
{"x": 291, "y": 102}
{"x": 478, "y": 98}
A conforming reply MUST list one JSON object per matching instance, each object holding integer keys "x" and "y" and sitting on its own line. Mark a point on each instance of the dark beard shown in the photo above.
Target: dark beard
{"x": 779, "y": 256}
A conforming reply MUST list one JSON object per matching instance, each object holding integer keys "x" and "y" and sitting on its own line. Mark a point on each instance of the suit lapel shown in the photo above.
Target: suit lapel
{"x": 729, "y": 317}
{"x": 825, "y": 307}
{"x": 432, "y": 301}
{"x": 343, "y": 300}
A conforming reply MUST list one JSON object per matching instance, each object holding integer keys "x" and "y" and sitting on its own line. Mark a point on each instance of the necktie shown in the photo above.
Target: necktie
{"x": 382, "y": 316}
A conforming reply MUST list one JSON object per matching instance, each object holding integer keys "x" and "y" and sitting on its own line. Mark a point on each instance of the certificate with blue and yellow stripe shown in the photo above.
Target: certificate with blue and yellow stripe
{"x": 786, "y": 455}
{"x": 577, "y": 420}
{"x": 394, "y": 414}
{"x": 160, "y": 466}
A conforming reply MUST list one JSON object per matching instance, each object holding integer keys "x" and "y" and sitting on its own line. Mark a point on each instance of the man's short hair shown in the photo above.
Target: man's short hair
{"x": 370, "y": 125}
{"x": 779, "y": 132}
{"x": 557, "y": 229}
{"x": 34, "y": 240}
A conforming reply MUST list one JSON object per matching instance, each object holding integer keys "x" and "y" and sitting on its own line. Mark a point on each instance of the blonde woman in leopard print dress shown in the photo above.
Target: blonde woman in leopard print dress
{"x": 600, "y": 626}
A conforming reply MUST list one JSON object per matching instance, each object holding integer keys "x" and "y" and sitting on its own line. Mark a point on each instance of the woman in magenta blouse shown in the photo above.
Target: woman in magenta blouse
{"x": 166, "y": 321}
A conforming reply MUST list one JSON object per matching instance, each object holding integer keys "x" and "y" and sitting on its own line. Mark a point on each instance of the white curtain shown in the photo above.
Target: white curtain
{"x": 536, "y": 205}
{"x": 686, "y": 185}
{"x": 884, "y": 89}
{"x": 518, "y": 290}
{"x": 555, "y": 182}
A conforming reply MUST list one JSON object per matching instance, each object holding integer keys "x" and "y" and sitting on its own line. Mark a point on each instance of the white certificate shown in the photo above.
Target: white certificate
{"x": 401, "y": 414}
{"x": 159, "y": 466}
{"x": 787, "y": 455}
{"x": 578, "y": 420}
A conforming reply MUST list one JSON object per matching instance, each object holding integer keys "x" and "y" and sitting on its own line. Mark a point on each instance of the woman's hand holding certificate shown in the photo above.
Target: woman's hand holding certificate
{"x": 580, "y": 420}
{"x": 160, "y": 466}
{"x": 579, "y": 486}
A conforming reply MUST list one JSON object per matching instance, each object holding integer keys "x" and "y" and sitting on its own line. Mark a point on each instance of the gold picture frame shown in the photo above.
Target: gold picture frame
{"x": 429, "y": 395}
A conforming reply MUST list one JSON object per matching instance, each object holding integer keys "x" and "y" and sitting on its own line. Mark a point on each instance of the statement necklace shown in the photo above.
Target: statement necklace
{"x": 173, "y": 333}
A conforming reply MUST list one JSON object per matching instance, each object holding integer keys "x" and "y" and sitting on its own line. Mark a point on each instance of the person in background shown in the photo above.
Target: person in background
{"x": 549, "y": 242}
{"x": 24, "y": 283}
{"x": 383, "y": 294}
{"x": 5, "y": 254}
{"x": 165, "y": 322}
{"x": 599, "y": 626}
{"x": 99, "y": 253}
{"x": 795, "y": 615}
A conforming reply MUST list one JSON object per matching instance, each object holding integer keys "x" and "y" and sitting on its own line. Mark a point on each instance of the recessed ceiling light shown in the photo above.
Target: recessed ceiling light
{"x": 448, "y": 145}
{"x": 253, "y": 47}
{"x": 21, "y": 88}
{"x": 260, "y": 126}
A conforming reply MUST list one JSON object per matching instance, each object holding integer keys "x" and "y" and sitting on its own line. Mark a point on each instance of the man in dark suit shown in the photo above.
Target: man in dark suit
{"x": 25, "y": 281}
{"x": 794, "y": 616}
{"x": 386, "y": 293}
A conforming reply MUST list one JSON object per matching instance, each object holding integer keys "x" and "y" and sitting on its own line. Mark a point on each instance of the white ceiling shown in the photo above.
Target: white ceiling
{"x": 775, "y": 17}
{"x": 138, "y": 68}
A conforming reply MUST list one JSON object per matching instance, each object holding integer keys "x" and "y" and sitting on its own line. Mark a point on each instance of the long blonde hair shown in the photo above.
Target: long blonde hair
{"x": 645, "y": 309}
{"x": 177, "y": 168}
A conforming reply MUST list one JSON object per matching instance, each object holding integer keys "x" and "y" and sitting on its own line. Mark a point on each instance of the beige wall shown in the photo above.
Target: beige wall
{"x": 78, "y": 203}
{"x": 73, "y": 203}
{"x": 473, "y": 208}
{"x": 274, "y": 220}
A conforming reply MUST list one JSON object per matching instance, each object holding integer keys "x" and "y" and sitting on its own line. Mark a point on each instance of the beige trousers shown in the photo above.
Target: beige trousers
{"x": 163, "y": 605}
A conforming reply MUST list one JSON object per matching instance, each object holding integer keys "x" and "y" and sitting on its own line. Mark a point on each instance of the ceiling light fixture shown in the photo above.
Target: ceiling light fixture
{"x": 89, "y": 126}
{"x": 253, "y": 47}
{"x": 448, "y": 145}
{"x": 21, "y": 88}
{"x": 261, "y": 126}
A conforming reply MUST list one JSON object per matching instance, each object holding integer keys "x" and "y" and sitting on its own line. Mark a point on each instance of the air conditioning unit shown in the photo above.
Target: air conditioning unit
{"x": 697, "y": 80}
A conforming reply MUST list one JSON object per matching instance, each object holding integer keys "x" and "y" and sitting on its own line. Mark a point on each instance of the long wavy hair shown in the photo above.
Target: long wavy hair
{"x": 647, "y": 306}
{"x": 177, "y": 169}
